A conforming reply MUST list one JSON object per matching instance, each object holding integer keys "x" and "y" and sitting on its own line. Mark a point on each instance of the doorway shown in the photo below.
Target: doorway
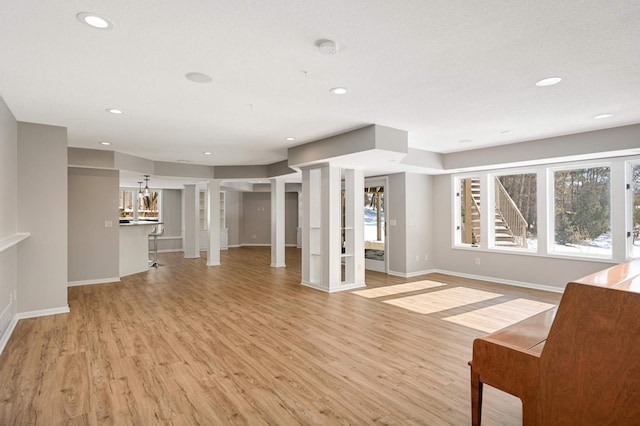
{"x": 375, "y": 228}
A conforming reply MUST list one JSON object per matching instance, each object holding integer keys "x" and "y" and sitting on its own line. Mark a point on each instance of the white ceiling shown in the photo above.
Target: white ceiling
{"x": 444, "y": 71}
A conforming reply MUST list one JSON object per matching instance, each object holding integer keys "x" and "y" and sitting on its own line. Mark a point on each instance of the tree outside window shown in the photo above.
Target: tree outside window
{"x": 582, "y": 211}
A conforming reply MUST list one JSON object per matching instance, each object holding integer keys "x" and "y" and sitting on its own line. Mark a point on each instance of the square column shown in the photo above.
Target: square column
{"x": 191, "y": 222}
{"x": 277, "y": 223}
{"x": 325, "y": 265}
{"x": 213, "y": 223}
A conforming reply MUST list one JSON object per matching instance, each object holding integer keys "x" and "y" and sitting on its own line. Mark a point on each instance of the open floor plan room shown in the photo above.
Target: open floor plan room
{"x": 244, "y": 343}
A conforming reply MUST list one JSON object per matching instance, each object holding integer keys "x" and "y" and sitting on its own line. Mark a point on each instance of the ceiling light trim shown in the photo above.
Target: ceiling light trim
{"x": 548, "y": 81}
{"x": 94, "y": 21}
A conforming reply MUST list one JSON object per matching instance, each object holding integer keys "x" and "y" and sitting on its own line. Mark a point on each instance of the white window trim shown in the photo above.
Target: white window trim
{"x": 620, "y": 209}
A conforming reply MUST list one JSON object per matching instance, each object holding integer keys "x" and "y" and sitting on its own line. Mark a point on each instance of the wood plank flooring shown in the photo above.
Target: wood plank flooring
{"x": 244, "y": 343}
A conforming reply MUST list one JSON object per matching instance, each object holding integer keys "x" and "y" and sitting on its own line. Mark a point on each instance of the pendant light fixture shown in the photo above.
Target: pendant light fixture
{"x": 140, "y": 195}
{"x": 146, "y": 191}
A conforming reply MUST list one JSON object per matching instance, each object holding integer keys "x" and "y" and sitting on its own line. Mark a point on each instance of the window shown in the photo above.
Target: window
{"x": 134, "y": 207}
{"x": 127, "y": 203}
{"x": 515, "y": 223}
{"x": 635, "y": 211}
{"x": 582, "y": 216}
{"x": 148, "y": 207}
{"x": 468, "y": 207}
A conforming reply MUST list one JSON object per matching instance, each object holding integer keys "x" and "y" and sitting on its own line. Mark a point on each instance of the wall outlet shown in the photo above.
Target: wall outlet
{"x": 108, "y": 224}
{"x": 477, "y": 260}
{"x": 417, "y": 258}
{"x": 426, "y": 257}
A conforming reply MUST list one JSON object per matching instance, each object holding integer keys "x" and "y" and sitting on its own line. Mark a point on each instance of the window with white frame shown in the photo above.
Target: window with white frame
{"x": 515, "y": 223}
{"x": 582, "y": 212}
{"x": 468, "y": 211}
{"x": 136, "y": 206}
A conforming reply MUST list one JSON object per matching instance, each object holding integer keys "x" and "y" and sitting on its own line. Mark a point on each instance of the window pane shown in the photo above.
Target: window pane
{"x": 516, "y": 211}
{"x": 582, "y": 211}
{"x": 148, "y": 207}
{"x": 469, "y": 215}
{"x": 635, "y": 248}
{"x": 126, "y": 203}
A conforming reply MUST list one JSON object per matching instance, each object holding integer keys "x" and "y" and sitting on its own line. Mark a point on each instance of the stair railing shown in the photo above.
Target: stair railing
{"x": 511, "y": 215}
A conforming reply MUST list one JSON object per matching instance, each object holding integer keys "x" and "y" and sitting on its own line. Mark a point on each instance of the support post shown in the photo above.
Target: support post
{"x": 191, "y": 222}
{"x": 213, "y": 223}
{"x": 277, "y": 223}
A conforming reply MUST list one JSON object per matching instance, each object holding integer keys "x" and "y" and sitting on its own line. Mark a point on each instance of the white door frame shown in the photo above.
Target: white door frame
{"x": 376, "y": 265}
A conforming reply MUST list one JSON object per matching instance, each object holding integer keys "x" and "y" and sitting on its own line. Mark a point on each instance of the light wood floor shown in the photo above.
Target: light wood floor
{"x": 244, "y": 343}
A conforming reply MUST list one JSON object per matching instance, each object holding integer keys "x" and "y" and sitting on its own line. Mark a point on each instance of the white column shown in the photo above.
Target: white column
{"x": 191, "y": 221}
{"x": 277, "y": 223}
{"x": 213, "y": 222}
{"x": 299, "y": 225}
{"x": 307, "y": 184}
{"x": 354, "y": 224}
{"x": 331, "y": 204}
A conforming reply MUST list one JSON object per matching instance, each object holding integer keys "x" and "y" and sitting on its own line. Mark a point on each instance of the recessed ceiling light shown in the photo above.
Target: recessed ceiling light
{"x": 465, "y": 140}
{"x": 105, "y": 143}
{"x": 327, "y": 47}
{"x": 198, "y": 77}
{"x": 601, "y": 116}
{"x": 290, "y": 139}
{"x": 94, "y": 20}
{"x": 339, "y": 90}
{"x": 550, "y": 81}
{"x": 114, "y": 110}
{"x": 207, "y": 153}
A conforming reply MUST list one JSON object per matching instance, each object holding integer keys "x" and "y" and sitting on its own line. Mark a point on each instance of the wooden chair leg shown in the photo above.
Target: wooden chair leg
{"x": 476, "y": 399}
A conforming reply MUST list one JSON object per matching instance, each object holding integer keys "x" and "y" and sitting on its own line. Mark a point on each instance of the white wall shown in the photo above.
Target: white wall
{"x": 42, "y": 203}
{"x": 8, "y": 214}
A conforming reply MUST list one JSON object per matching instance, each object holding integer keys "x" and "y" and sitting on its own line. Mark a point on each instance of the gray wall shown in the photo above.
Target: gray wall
{"x": 410, "y": 240}
{"x": 233, "y": 216}
{"x": 172, "y": 220}
{"x": 8, "y": 207}
{"x": 42, "y": 202}
{"x": 538, "y": 270}
{"x": 93, "y": 248}
{"x": 256, "y": 218}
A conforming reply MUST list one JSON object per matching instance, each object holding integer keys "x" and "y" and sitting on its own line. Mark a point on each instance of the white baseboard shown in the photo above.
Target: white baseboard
{"x": 501, "y": 281}
{"x": 410, "y": 274}
{"x": 480, "y": 278}
{"x": 43, "y": 312}
{"x": 171, "y": 250}
{"x": 91, "y": 282}
{"x": 336, "y": 290}
{"x": 6, "y": 334}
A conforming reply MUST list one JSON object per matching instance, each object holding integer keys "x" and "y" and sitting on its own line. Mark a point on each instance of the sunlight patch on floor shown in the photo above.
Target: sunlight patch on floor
{"x": 397, "y": 289}
{"x": 442, "y": 300}
{"x": 493, "y": 318}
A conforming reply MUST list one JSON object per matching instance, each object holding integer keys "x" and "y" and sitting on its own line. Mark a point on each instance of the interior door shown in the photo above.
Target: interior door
{"x": 375, "y": 225}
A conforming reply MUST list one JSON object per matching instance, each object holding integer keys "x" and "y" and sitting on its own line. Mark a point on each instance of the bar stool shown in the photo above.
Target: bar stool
{"x": 156, "y": 231}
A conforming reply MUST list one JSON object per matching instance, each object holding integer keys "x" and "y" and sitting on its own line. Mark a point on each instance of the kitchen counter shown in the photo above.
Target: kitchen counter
{"x": 134, "y": 246}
